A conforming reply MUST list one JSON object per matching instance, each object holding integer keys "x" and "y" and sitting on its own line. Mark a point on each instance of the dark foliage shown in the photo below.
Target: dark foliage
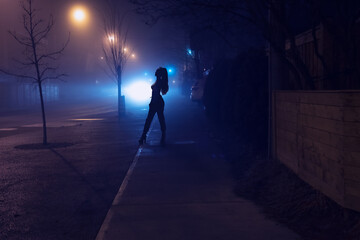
{"x": 338, "y": 20}
{"x": 282, "y": 195}
{"x": 236, "y": 96}
{"x": 293, "y": 202}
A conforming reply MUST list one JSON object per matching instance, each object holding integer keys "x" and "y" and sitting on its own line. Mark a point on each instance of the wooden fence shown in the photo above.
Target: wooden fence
{"x": 317, "y": 135}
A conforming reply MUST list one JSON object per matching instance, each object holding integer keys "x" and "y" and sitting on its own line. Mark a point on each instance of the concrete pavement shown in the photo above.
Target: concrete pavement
{"x": 185, "y": 190}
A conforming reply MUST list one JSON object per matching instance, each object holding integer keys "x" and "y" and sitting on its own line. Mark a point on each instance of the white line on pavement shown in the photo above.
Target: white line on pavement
{"x": 8, "y": 129}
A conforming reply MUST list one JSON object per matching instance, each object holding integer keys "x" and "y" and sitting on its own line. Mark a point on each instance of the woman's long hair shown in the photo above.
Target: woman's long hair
{"x": 162, "y": 80}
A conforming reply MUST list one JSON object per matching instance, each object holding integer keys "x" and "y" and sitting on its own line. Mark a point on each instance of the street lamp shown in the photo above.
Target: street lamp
{"x": 111, "y": 38}
{"x": 79, "y": 15}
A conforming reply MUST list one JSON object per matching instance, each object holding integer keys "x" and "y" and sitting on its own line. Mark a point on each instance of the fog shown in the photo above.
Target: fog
{"x": 83, "y": 59}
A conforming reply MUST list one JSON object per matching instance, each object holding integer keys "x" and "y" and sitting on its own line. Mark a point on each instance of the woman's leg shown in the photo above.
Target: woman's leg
{"x": 148, "y": 121}
{"x": 162, "y": 120}
{"x": 161, "y": 117}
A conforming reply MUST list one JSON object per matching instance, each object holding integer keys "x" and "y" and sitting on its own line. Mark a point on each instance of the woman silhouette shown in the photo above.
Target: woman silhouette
{"x": 157, "y": 104}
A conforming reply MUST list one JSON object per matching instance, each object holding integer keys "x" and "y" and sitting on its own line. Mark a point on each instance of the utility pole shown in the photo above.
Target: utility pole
{"x": 276, "y": 67}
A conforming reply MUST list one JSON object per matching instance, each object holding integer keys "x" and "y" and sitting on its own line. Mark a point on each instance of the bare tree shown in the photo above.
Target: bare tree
{"x": 115, "y": 49}
{"x": 38, "y": 63}
{"x": 340, "y": 19}
{"x": 233, "y": 14}
{"x": 341, "y": 66}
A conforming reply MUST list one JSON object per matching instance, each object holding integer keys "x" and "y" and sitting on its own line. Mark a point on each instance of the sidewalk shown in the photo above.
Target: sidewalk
{"x": 184, "y": 191}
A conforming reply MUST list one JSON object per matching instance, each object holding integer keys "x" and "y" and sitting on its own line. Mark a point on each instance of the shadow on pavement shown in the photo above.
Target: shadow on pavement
{"x": 83, "y": 179}
{"x": 38, "y": 146}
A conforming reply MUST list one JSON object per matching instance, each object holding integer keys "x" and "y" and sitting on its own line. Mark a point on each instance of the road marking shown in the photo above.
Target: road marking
{"x": 51, "y": 124}
{"x": 33, "y": 125}
{"x": 8, "y": 129}
{"x": 87, "y": 119}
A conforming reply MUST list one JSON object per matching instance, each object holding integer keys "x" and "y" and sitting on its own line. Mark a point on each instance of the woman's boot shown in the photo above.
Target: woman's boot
{"x": 142, "y": 140}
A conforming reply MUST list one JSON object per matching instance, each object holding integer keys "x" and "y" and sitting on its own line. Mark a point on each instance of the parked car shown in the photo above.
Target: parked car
{"x": 197, "y": 90}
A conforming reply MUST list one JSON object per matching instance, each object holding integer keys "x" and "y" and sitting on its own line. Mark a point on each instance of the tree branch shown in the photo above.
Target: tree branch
{"x": 18, "y": 75}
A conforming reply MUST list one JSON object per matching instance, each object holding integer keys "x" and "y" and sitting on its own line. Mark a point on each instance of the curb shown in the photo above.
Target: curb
{"x": 105, "y": 225}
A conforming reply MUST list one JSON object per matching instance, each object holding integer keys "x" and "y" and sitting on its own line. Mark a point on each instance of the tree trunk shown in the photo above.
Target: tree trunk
{"x": 277, "y": 71}
{"x": 197, "y": 64}
{"x": 43, "y": 115}
{"x": 119, "y": 99}
{"x": 276, "y": 68}
{"x": 121, "y": 103}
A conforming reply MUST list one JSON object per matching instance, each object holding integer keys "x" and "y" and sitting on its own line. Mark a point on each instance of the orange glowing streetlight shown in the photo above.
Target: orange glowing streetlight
{"x": 111, "y": 38}
{"x": 79, "y": 15}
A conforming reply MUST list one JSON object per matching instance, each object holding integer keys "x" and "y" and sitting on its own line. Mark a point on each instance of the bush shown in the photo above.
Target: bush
{"x": 236, "y": 96}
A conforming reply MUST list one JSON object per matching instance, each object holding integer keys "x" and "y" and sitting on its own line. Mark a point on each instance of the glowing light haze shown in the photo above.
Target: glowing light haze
{"x": 83, "y": 61}
{"x": 139, "y": 91}
{"x": 79, "y": 15}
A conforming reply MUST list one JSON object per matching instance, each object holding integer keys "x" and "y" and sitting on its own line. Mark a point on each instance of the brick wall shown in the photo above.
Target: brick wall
{"x": 317, "y": 135}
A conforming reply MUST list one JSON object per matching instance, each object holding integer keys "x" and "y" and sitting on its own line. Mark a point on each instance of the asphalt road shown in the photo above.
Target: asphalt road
{"x": 57, "y": 114}
{"x": 64, "y": 192}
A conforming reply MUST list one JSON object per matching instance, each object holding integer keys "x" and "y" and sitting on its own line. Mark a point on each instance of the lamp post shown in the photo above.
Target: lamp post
{"x": 79, "y": 15}
{"x": 116, "y": 53}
